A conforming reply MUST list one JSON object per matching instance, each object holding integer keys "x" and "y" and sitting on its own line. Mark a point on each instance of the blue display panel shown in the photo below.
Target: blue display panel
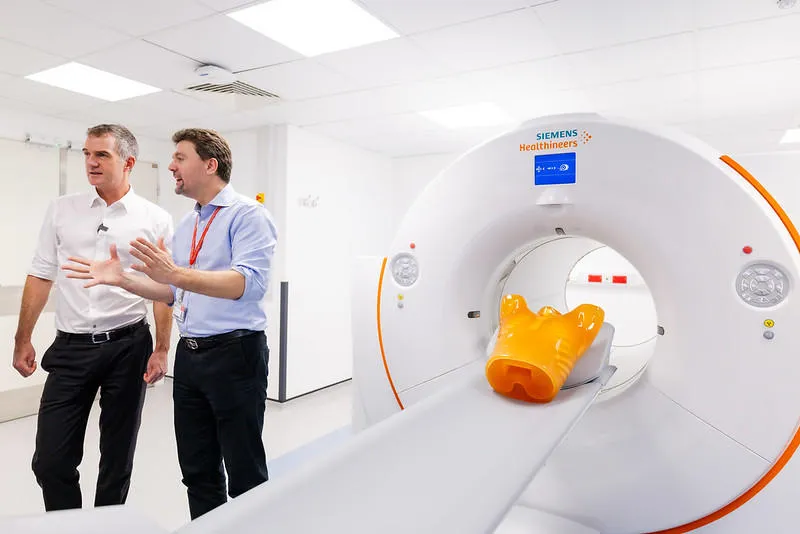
{"x": 554, "y": 169}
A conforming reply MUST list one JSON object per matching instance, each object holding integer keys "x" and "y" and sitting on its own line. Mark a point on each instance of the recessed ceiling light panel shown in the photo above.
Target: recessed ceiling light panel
{"x": 314, "y": 27}
{"x": 93, "y": 82}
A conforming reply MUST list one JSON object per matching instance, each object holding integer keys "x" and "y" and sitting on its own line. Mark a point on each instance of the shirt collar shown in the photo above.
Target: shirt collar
{"x": 124, "y": 201}
{"x": 224, "y": 198}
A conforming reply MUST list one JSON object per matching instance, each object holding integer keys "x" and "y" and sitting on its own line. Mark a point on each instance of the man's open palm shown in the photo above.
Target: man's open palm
{"x": 108, "y": 272}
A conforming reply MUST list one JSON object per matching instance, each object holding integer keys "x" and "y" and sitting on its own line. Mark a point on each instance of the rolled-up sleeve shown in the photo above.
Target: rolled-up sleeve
{"x": 253, "y": 241}
{"x": 45, "y": 259}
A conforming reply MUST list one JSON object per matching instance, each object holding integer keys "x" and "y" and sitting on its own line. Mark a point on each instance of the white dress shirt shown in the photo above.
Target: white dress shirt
{"x": 82, "y": 225}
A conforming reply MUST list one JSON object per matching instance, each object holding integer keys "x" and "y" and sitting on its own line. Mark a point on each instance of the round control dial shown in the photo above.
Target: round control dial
{"x": 762, "y": 285}
{"x": 405, "y": 269}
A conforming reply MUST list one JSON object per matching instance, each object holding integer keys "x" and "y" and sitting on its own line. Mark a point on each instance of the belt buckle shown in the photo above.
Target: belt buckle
{"x": 191, "y": 343}
{"x": 96, "y": 340}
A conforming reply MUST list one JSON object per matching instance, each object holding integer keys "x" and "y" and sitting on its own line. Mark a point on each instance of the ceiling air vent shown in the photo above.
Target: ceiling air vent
{"x": 221, "y": 89}
{"x": 232, "y": 88}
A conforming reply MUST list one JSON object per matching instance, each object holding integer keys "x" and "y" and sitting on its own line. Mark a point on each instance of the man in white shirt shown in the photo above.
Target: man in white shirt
{"x": 103, "y": 341}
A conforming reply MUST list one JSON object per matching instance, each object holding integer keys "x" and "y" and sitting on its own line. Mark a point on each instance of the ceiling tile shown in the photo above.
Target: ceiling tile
{"x": 666, "y": 99}
{"x": 414, "y": 16}
{"x": 146, "y": 63}
{"x": 51, "y": 29}
{"x": 571, "y": 101}
{"x": 297, "y": 80}
{"x": 143, "y": 111}
{"x": 648, "y": 91}
{"x": 731, "y": 142}
{"x": 242, "y": 120}
{"x": 221, "y": 122}
{"x": 631, "y": 61}
{"x": 753, "y": 42}
{"x": 741, "y": 125}
{"x": 710, "y": 13}
{"x": 750, "y": 89}
{"x": 18, "y": 105}
{"x": 386, "y": 63}
{"x": 435, "y": 94}
{"x": 527, "y": 80}
{"x": 49, "y": 99}
{"x": 24, "y": 60}
{"x": 493, "y": 41}
{"x": 587, "y": 24}
{"x": 392, "y": 126}
{"x": 226, "y": 5}
{"x": 424, "y": 142}
{"x": 10, "y": 94}
{"x": 345, "y": 106}
{"x": 416, "y": 96}
{"x": 221, "y": 41}
{"x": 136, "y": 18}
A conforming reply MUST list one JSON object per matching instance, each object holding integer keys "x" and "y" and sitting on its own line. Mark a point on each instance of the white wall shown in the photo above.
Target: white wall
{"x": 337, "y": 198}
{"x": 32, "y": 179}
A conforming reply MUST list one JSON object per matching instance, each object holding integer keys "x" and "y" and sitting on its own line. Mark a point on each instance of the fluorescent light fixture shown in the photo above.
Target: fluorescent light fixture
{"x": 473, "y": 115}
{"x": 313, "y": 27}
{"x": 791, "y": 136}
{"x": 93, "y": 82}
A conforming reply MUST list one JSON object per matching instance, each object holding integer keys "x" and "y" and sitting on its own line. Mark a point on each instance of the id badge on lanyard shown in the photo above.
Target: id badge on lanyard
{"x": 180, "y": 308}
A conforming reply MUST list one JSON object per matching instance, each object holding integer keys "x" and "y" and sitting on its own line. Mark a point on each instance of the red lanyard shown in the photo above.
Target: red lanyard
{"x": 197, "y": 246}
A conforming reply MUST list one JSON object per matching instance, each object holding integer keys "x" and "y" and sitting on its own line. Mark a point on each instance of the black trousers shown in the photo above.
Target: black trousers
{"x": 76, "y": 371}
{"x": 220, "y": 394}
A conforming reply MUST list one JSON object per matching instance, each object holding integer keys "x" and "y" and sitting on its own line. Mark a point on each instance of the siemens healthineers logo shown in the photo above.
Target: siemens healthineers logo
{"x": 557, "y": 139}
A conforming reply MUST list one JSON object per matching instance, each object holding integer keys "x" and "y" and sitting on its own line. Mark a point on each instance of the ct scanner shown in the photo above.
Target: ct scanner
{"x": 701, "y": 439}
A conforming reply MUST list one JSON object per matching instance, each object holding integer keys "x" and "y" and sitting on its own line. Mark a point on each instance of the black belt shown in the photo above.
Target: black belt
{"x": 103, "y": 337}
{"x": 199, "y": 343}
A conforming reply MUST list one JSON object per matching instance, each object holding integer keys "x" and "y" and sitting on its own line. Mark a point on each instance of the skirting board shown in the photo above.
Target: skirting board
{"x": 24, "y": 402}
{"x": 20, "y": 402}
{"x": 309, "y": 392}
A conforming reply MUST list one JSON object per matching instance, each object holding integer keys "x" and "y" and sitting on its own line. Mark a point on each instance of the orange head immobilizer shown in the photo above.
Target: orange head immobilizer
{"x": 536, "y": 352}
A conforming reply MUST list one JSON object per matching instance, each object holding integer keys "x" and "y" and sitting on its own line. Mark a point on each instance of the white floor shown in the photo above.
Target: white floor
{"x": 156, "y": 490}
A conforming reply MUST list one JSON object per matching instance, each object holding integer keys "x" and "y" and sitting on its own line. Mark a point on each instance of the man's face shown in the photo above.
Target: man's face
{"x": 188, "y": 169}
{"x": 104, "y": 167}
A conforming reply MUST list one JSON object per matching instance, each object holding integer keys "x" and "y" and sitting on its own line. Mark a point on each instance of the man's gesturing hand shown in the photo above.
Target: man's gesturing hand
{"x": 157, "y": 261}
{"x": 108, "y": 272}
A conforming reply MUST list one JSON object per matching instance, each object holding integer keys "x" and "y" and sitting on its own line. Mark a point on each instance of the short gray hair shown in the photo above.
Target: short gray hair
{"x": 125, "y": 142}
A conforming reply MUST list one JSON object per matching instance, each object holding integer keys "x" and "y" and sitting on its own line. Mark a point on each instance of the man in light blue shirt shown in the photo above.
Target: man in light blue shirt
{"x": 215, "y": 279}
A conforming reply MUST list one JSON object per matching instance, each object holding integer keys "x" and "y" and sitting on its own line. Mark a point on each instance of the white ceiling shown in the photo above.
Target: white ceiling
{"x": 726, "y": 70}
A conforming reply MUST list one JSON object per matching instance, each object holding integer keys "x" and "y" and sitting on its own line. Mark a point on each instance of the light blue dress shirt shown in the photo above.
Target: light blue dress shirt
{"x": 241, "y": 237}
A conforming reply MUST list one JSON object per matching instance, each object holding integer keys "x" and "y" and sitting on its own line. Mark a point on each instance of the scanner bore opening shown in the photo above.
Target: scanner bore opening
{"x": 555, "y": 272}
